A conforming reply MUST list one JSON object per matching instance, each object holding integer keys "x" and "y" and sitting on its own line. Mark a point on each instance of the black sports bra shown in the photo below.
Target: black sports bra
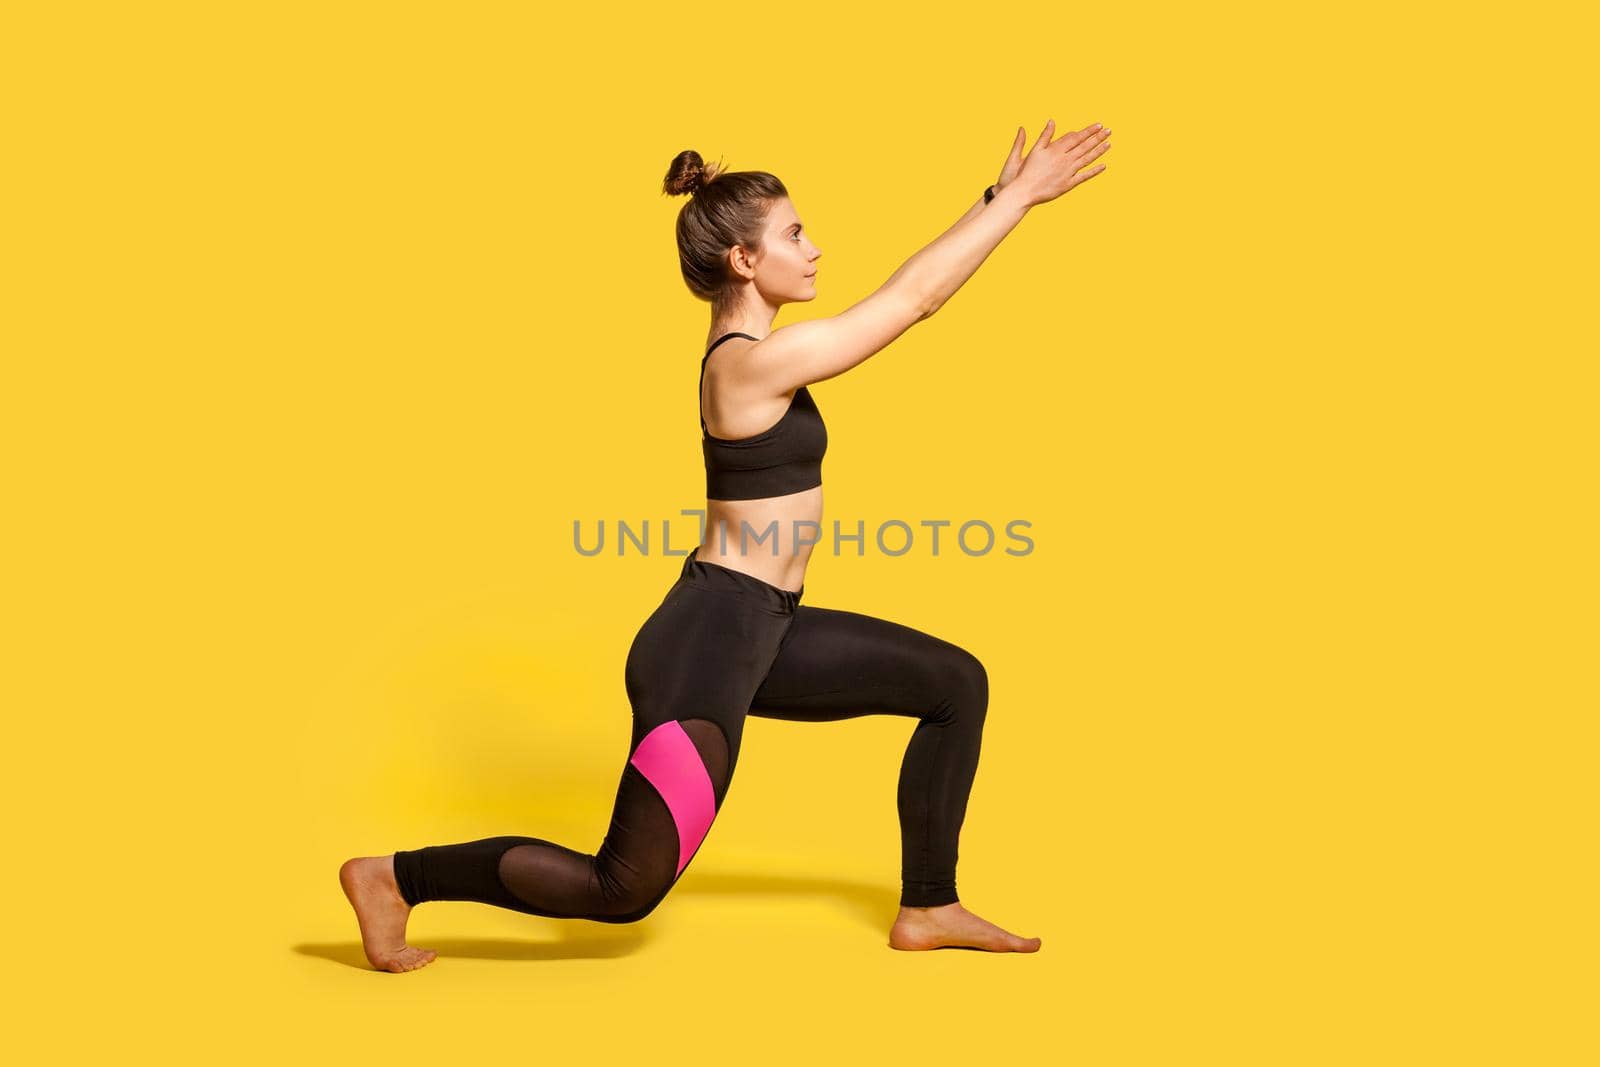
{"x": 784, "y": 458}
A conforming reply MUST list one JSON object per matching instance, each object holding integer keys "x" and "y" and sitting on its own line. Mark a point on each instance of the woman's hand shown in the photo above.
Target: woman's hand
{"x": 1051, "y": 167}
{"x": 1014, "y": 161}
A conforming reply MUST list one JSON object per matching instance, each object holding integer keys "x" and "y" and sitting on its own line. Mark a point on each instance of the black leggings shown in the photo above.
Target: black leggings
{"x": 721, "y": 645}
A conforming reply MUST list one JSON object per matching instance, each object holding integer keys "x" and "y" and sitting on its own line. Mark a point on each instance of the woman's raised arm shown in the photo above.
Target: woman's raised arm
{"x": 818, "y": 349}
{"x": 1050, "y": 169}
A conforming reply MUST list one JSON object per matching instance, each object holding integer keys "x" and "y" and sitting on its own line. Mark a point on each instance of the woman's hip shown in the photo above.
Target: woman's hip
{"x": 706, "y": 647}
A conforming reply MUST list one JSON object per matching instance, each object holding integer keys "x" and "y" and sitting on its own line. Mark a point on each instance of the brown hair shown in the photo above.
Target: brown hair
{"x": 724, "y": 209}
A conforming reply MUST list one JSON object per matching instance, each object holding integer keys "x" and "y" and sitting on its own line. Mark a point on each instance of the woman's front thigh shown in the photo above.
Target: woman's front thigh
{"x": 835, "y": 664}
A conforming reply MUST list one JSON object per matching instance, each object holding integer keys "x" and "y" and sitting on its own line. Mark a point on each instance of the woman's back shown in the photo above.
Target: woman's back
{"x": 763, "y": 488}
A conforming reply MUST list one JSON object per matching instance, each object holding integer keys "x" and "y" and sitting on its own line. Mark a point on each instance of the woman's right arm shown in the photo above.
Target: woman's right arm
{"x": 818, "y": 349}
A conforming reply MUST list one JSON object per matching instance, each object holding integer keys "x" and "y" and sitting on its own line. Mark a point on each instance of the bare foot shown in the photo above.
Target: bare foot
{"x": 382, "y": 912}
{"x": 952, "y": 926}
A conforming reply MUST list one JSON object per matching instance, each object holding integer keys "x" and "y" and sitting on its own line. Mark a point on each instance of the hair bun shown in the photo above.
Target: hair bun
{"x": 688, "y": 173}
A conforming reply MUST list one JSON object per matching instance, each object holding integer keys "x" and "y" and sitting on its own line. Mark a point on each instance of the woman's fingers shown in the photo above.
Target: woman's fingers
{"x": 1079, "y": 179}
{"x": 1044, "y": 136}
{"x": 1094, "y": 153}
{"x": 1078, "y": 162}
{"x": 1088, "y": 138}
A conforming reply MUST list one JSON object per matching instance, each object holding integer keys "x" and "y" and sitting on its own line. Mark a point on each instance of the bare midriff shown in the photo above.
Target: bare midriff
{"x": 770, "y": 538}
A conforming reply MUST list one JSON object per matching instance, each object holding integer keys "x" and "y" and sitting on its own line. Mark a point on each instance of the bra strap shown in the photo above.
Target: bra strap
{"x": 724, "y": 337}
{"x": 703, "y": 359}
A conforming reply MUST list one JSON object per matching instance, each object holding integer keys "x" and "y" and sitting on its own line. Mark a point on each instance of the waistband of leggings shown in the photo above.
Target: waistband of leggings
{"x": 716, "y": 576}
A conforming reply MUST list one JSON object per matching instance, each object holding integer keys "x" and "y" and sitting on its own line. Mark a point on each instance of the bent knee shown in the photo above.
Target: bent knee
{"x": 974, "y": 683}
{"x": 961, "y": 686}
{"x": 633, "y": 906}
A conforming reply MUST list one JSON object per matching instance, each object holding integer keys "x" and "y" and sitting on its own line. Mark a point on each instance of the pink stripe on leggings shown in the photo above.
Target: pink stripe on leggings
{"x": 668, "y": 758}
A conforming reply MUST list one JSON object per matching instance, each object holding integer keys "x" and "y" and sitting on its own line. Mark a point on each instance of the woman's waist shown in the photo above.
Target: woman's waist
{"x": 792, "y": 523}
{"x": 781, "y": 574}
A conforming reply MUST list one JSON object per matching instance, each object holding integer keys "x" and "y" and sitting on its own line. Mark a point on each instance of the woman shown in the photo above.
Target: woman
{"x": 730, "y": 637}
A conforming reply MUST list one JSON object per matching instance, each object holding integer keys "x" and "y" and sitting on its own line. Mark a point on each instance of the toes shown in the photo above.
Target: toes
{"x": 413, "y": 958}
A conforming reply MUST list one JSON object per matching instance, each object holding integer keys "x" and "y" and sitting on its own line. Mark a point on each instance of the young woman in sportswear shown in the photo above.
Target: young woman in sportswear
{"x": 730, "y": 638}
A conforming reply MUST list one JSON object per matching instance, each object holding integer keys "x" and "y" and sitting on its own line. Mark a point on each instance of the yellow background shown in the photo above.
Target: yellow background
{"x": 323, "y": 322}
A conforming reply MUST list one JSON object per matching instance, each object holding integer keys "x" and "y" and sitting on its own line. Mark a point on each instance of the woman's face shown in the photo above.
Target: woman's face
{"x": 785, "y": 270}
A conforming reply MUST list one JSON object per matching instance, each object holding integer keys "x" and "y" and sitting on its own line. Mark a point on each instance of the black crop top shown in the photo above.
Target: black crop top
{"x": 784, "y": 458}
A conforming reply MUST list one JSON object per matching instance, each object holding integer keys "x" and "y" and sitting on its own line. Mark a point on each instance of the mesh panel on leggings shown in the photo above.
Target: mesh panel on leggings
{"x": 638, "y": 860}
{"x": 712, "y": 744}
